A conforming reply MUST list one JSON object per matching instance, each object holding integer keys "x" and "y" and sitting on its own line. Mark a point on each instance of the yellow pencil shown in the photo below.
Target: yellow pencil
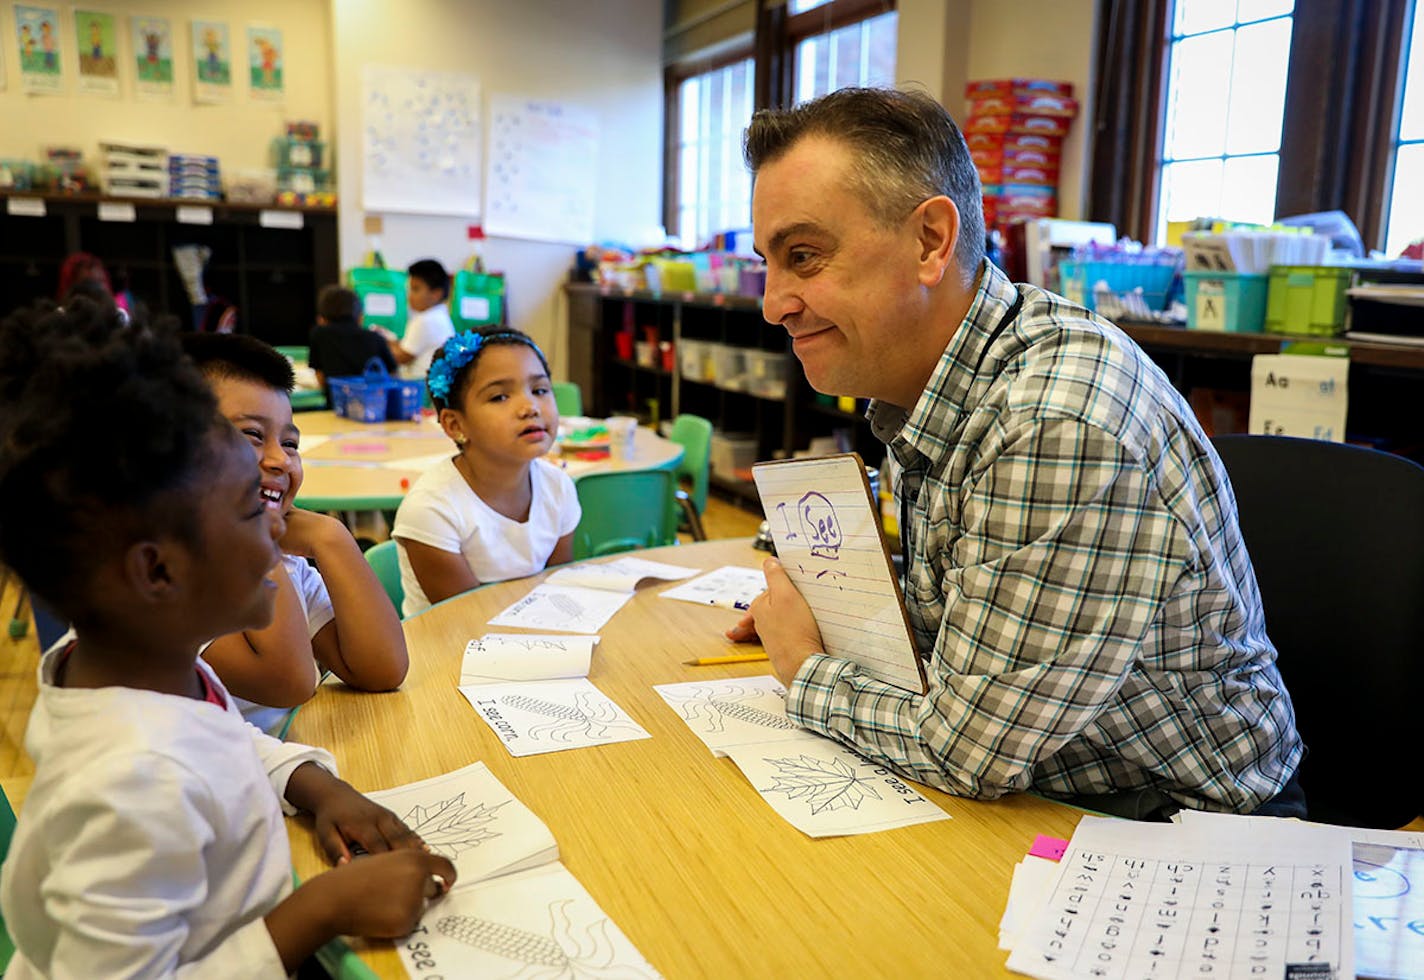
{"x": 735, "y": 658}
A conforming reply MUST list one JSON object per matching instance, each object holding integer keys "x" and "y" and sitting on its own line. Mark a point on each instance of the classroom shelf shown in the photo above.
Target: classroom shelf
{"x": 272, "y": 275}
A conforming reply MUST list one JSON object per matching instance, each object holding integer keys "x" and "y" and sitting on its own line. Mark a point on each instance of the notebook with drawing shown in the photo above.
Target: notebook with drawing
{"x": 829, "y": 539}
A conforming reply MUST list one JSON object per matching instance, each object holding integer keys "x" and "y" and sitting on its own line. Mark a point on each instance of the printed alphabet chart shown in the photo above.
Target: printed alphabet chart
{"x": 1220, "y": 897}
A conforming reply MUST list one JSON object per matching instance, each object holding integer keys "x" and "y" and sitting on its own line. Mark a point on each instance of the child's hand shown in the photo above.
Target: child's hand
{"x": 348, "y": 822}
{"x": 306, "y": 530}
{"x": 383, "y": 896}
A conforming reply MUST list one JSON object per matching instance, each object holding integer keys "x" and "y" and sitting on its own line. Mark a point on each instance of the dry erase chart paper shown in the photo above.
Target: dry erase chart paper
{"x": 748, "y": 710}
{"x": 469, "y": 817}
{"x": 1226, "y": 897}
{"x": 534, "y": 717}
{"x": 543, "y": 170}
{"x": 420, "y": 141}
{"x": 828, "y": 539}
{"x": 538, "y": 923}
{"x": 823, "y": 789}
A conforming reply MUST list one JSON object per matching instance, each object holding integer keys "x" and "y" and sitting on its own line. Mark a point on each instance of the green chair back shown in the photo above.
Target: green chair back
{"x": 384, "y": 562}
{"x": 694, "y": 434}
{"x": 295, "y": 354}
{"x": 7, "y": 830}
{"x": 569, "y": 397}
{"x": 623, "y": 511}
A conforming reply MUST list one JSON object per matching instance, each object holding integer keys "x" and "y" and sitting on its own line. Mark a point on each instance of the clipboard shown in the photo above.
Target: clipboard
{"x": 828, "y": 536}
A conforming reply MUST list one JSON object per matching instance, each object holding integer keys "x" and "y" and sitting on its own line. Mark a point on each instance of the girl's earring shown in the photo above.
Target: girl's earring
{"x": 460, "y": 441}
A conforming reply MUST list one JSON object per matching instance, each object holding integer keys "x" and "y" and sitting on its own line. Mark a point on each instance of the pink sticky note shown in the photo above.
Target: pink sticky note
{"x": 1048, "y": 847}
{"x": 355, "y": 448}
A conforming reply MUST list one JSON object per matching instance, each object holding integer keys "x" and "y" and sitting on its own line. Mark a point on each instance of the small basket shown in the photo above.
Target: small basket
{"x": 364, "y": 397}
{"x": 403, "y": 399}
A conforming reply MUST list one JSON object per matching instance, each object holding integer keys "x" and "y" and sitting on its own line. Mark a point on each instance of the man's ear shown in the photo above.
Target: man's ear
{"x": 937, "y": 228}
{"x": 153, "y": 570}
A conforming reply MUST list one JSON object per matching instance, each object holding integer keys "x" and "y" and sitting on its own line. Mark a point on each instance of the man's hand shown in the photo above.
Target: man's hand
{"x": 783, "y": 621}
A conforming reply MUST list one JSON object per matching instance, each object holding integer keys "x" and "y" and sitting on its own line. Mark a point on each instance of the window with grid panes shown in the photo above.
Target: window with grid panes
{"x": 714, "y": 190}
{"x": 1405, "y": 217}
{"x": 1226, "y": 86}
{"x": 858, "y": 54}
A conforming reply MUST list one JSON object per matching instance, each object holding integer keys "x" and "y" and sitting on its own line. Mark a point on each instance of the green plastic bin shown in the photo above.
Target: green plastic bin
{"x": 382, "y": 293}
{"x": 1307, "y": 300}
{"x": 476, "y": 300}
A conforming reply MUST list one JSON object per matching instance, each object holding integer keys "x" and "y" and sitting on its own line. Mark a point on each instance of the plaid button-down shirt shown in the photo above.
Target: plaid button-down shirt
{"x": 1076, "y": 579}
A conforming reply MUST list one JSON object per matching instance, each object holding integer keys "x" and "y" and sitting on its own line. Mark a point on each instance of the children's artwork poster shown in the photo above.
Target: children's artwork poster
{"x": 421, "y": 140}
{"x": 153, "y": 58}
{"x": 97, "y": 37}
{"x": 37, "y": 35}
{"x": 542, "y": 172}
{"x": 212, "y": 62}
{"x": 267, "y": 64}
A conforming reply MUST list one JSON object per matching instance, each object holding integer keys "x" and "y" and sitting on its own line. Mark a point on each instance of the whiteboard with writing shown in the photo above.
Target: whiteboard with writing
{"x": 828, "y": 538}
{"x": 543, "y": 169}
{"x": 420, "y": 141}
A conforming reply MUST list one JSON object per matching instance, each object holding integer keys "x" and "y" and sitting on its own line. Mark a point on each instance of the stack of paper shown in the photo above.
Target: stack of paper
{"x": 514, "y": 907}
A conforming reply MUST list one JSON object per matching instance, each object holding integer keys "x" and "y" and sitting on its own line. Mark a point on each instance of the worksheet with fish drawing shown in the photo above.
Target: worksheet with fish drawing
{"x": 563, "y": 609}
{"x": 829, "y": 540}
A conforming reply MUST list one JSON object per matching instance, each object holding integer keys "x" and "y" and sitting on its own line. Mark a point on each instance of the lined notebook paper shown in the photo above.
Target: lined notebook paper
{"x": 828, "y": 539}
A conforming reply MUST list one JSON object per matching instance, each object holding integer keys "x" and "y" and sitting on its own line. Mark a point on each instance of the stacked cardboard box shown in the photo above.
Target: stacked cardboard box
{"x": 1015, "y": 131}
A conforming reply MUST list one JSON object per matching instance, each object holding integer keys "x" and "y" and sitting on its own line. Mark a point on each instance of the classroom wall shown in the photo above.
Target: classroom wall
{"x": 239, "y": 132}
{"x": 604, "y": 57}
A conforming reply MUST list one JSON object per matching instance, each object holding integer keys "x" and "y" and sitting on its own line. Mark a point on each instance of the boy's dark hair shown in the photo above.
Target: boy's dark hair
{"x": 240, "y": 357}
{"x": 906, "y": 148}
{"x": 492, "y": 337}
{"x": 103, "y": 429}
{"x": 338, "y": 303}
{"x": 431, "y": 273}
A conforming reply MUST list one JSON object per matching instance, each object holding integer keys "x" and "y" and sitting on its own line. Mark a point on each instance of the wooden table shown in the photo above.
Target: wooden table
{"x": 355, "y": 465}
{"x": 675, "y": 845}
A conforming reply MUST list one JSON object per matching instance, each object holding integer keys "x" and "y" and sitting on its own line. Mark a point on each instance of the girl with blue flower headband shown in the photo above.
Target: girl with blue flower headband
{"x": 497, "y": 509}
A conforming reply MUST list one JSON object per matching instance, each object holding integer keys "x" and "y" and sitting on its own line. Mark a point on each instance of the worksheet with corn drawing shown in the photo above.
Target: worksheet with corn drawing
{"x": 534, "y": 717}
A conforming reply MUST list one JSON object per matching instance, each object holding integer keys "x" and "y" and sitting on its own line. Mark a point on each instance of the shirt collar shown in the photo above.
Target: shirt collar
{"x": 924, "y": 428}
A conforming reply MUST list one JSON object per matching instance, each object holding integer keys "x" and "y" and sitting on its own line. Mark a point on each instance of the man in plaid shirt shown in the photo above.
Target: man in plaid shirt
{"x": 1075, "y": 573}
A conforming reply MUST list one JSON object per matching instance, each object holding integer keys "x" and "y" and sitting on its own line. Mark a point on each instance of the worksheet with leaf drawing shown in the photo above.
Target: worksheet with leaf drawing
{"x": 549, "y": 716}
{"x": 828, "y": 538}
{"x": 563, "y": 609}
{"x": 730, "y": 587}
{"x": 823, "y": 789}
{"x": 620, "y": 574}
{"x": 499, "y": 657}
{"x": 740, "y": 711}
{"x": 1227, "y": 896}
{"x": 469, "y": 817}
{"x": 537, "y": 923}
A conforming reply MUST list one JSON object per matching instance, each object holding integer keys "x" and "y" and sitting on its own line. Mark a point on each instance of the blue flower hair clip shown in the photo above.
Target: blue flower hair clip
{"x": 459, "y": 350}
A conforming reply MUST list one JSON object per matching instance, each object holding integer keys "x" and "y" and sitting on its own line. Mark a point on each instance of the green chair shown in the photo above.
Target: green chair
{"x": 7, "y": 830}
{"x": 385, "y": 563}
{"x": 623, "y": 511}
{"x": 694, "y": 434}
{"x": 569, "y": 397}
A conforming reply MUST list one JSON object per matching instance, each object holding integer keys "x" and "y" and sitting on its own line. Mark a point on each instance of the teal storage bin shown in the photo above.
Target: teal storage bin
{"x": 1079, "y": 278}
{"x": 1307, "y": 300}
{"x": 476, "y": 300}
{"x": 1230, "y": 302}
{"x": 382, "y": 293}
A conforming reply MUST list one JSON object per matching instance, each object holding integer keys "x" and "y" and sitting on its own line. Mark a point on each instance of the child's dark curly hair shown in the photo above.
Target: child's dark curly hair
{"x": 459, "y": 381}
{"x": 103, "y": 429}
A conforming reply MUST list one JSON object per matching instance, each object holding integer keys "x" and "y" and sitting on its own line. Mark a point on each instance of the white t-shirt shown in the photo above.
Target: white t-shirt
{"x": 424, "y": 333}
{"x": 442, "y": 511}
{"x": 152, "y": 837}
{"x": 316, "y": 604}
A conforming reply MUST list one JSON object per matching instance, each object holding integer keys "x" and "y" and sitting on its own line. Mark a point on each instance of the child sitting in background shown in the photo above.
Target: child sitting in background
{"x": 339, "y": 345}
{"x": 427, "y": 288}
{"x": 152, "y": 837}
{"x": 336, "y": 615}
{"x": 496, "y": 510}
